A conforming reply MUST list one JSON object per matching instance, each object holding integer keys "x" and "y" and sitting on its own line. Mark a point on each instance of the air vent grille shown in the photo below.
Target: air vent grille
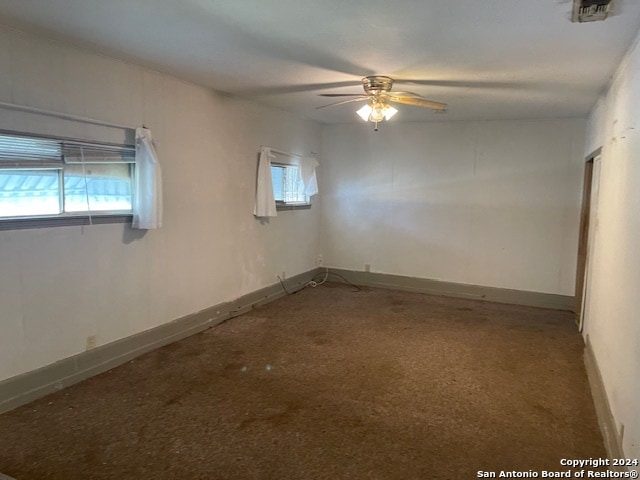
{"x": 591, "y": 10}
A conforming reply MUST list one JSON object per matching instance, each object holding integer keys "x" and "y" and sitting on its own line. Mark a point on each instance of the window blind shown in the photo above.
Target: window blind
{"x": 80, "y": 153}
{"x": 45, "y": 176}
{"x": 24, "y": 152}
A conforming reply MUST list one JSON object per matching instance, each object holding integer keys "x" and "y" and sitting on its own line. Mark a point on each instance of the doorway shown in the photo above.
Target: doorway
{"x": 588, "y": 225}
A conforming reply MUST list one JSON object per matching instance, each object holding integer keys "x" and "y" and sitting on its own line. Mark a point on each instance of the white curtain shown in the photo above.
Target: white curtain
{"x": 147, "y": 199}
{"x": 265, "y": 201}
{"x": 308, "y": 174}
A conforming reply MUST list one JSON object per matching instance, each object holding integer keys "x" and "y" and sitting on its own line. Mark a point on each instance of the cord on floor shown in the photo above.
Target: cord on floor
{"x": 283, "y": 286}
{"x": 315, "y": 283}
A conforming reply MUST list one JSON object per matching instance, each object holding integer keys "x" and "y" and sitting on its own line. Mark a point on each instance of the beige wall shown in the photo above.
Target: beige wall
{"x": 612, "y": 311}
{"x": 491, "y": 203}
{"x": 59, "y": 286}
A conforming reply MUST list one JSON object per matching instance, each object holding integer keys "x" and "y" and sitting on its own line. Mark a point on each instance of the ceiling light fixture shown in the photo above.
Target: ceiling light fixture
{"x": 376, "y": 111}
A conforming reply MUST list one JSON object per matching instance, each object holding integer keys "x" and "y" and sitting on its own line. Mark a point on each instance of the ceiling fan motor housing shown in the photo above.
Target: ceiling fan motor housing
{"x": 377, "y": 84}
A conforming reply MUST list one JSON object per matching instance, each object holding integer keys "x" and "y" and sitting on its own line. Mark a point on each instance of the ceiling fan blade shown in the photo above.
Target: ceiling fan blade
{"x": 404, "y": 94}
{"x": 340, "y": 94}
{"x": 416, "y": 101}
{"x": 456, "y": 83}
{"x": 285, "y": 89}
{"x": 359, "y": 99}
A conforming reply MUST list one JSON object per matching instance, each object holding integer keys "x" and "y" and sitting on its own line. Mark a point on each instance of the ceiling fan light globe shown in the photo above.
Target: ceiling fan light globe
{"x": 377, "y": 113}
{"x": 365, "y": 112}
{"x": 389, "y": 112}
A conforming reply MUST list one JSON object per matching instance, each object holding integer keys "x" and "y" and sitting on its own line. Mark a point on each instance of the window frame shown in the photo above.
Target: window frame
{"x": 66, "y": 218}
{"x": 284, "y": 205}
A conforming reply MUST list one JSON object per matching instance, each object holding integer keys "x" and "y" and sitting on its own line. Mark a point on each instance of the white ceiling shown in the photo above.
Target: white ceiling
{"x": 488, "y": 59}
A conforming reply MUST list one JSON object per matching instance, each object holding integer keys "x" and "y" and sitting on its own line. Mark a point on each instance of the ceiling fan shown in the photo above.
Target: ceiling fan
{"x": 378, "y": 93}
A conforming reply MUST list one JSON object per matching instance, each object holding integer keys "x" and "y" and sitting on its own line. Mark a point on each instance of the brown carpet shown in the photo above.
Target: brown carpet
{"x": 327, "y": 383}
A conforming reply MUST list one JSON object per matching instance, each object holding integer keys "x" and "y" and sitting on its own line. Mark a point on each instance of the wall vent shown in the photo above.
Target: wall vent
{"x": 591, "y": 10}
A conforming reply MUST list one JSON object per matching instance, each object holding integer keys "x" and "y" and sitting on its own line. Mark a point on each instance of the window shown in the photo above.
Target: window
{"x": 45, "y": 177}
{"x": 288, "y": 187}
{"x": 283, "y": 185}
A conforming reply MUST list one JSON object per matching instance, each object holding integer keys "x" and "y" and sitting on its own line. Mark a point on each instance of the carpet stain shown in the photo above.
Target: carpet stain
{"x": 272, "y": 416}
{"x": 546, "y": 411}
{"x": 316, "y": 333}
{"x": 231, "y": 367}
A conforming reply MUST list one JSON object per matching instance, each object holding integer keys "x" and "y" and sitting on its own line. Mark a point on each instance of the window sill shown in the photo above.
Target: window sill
{"x": 292, "y": 206}
{"x": 48, "y": 222}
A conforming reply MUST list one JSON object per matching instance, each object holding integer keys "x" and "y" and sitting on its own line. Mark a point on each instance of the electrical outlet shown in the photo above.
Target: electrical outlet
{"x": 91, "y": 342}
{"x": 367, "y": 267}
{"x": 319, "y": 259}
{"x": 283, "y": 275}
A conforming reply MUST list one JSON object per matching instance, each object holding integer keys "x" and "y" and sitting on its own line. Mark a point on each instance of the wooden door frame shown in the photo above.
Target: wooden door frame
{"x": 583, "y": 239}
